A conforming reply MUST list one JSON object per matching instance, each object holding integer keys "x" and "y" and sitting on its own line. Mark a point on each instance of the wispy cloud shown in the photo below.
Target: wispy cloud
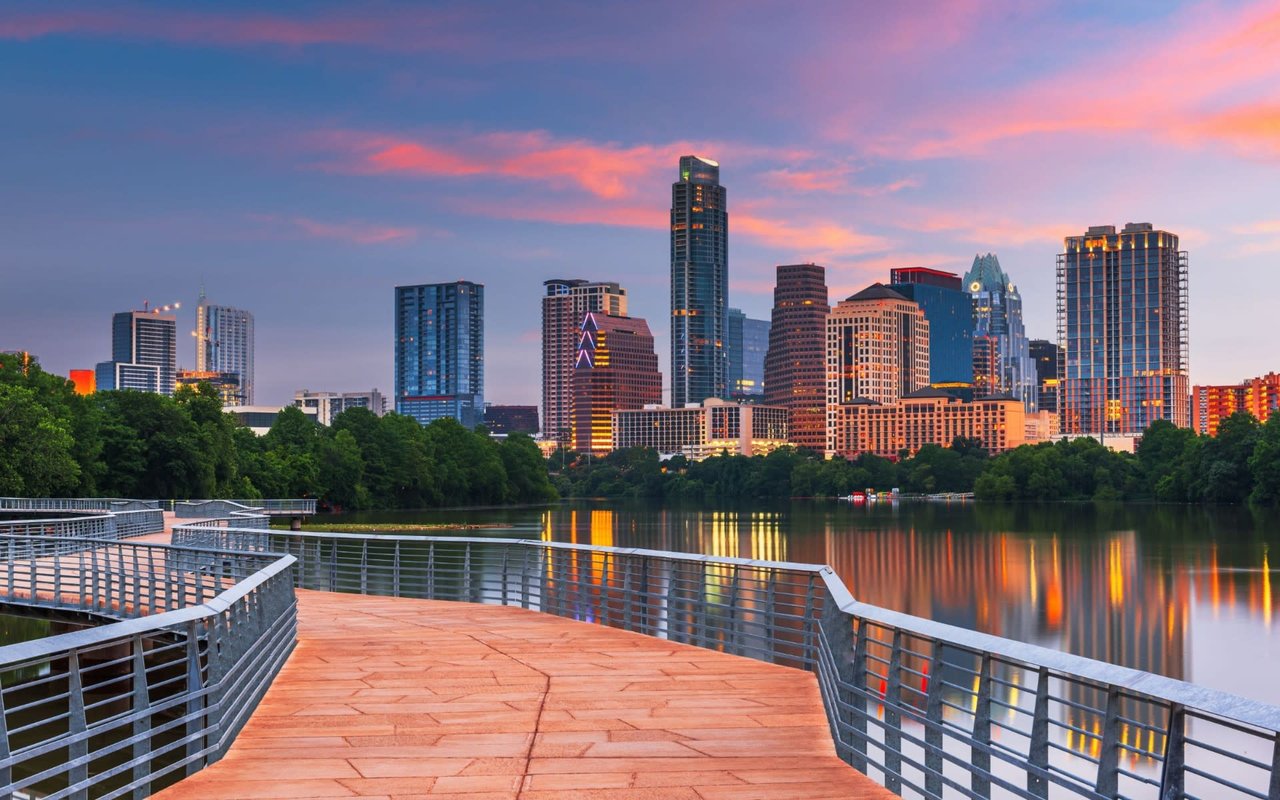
{"x": 351, "y": 231}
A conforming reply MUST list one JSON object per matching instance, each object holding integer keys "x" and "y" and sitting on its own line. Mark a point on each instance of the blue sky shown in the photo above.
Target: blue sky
{"x": 303, "y": 160}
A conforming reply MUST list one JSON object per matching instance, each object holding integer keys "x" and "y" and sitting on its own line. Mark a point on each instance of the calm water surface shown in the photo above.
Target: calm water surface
{"x": 1183, "y": 592}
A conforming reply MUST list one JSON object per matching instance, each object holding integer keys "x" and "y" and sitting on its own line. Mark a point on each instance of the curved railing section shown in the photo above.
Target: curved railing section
{"x": 188, "y": 509}
{"x": 85, "y": 518}
{"x": 930, "y": 710}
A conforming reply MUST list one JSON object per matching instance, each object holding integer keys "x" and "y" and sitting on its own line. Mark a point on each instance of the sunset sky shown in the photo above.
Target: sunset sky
{"x": 303, "y": 161}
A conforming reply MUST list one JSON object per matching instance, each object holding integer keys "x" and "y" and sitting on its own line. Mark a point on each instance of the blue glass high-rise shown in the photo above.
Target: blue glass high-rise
{"x": 699, "y": 283}
{"x": 439, "y": 330}
{"x": 949, "y": 310}
{"x": 1002, "y": 363}
{"x": 746, "y": 343}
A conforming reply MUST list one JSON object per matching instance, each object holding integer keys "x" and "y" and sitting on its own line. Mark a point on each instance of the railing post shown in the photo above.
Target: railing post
{"x": 141, "y": 721}
{"x": 364, "y": 566}
{"x": 6, "y": 752}
{"x": 1173, "y": 775}
{"x": 524, "y": 576}
{"x": 1109, "y": 757}
{"x": 933, "y": 764}
{"x": 858, "y": 704}
{"x": 893, "y": 718}
{"x": 808, "y": 648}
{"x": 980, "y": 752}
{"x": 770, "y": 615}
{"x": 77, "y": 728}
{"x": 195, "y": 702}
{"x": 395, "y": 572}
{"x": 1273, "y": 790}
{"x": 1038, "y": 752}
{"x": 506, "y": 574}
{"x": 733, "y": 643}
{"x": 608, "y": 568}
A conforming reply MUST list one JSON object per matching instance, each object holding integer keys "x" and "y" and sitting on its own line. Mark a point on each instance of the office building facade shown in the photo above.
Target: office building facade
{"x": 224, "y": 343}
{"x": 503, "y": 420}
{"x": 1048, "y": 360}
{"x": 144, "y": 347}
{"x": 928, "y": 416}
{"x": 1002, "y": 362}
{"x": 1122, "y": 326}
{"x": 746, "y": 343}
{"x": 795, "y": 365}
{"x": 226, "y": 384}
{"x": 699, "y": 283}
{"x": 949, "y": 309}
{"x": 439, "y": 352}
{"x": 1212, "y": 404}
{"x": 564, "y": 304}
{"x": 616, "y": 368}
{"x": 328, "y": 405}
{"x": 715, "y": 427}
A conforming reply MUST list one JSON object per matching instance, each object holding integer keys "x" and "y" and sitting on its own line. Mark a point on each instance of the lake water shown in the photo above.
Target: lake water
{"x": 1183, "y": 592}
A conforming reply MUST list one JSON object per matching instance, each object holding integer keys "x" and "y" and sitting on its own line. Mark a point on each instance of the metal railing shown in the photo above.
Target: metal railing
{"x": 930, "y": 710}
{"x": 190, "y": 509}
{"x": 84, "y": 524}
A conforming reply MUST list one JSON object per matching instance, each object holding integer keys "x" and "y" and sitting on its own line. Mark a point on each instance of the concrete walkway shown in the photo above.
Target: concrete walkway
{"x": 396, "y": 698}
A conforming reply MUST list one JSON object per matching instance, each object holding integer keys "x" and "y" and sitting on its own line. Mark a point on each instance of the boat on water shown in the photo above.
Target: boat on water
{"x": 857, "y": 498}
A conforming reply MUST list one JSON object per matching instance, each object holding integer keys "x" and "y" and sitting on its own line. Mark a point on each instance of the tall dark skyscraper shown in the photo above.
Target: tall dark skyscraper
{"x": 440, "y": 352}
{"x": 1122, "y": 324}
{"x": 1048, "y": 357}
{"x": 699, "y": 283}
{"x": 795, "y": 368}
{"x": 949, "y": 309}
{"x": 746, "y": 342}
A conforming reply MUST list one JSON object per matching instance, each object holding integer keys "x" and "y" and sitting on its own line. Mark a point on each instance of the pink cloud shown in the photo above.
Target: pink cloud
{"x": 820, "y": 238}
{"x": 985, "y": 230}
{"x": 835, "y": 180}
{"x": 355, "y": 232}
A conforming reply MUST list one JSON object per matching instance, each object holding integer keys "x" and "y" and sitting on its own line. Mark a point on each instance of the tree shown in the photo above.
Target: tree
{"x": 340, "y": 470}
{"x": 1223, "y": 466}
{"x": 36, "y": 449}
{"x": 1264, "y": 464}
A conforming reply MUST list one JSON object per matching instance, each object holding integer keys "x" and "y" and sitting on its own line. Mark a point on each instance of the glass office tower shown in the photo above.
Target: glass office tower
{"x": 144, "y": 350}
{"x": 949, "y": 309}
{"x": 1002, "y": 362}
{"x": 699, "y": 283}
{"x": 224, "y": 343}
{"x": 746, "y": 342}
{"x": 439, "y": 331}
{"x": 1122, "y": 324}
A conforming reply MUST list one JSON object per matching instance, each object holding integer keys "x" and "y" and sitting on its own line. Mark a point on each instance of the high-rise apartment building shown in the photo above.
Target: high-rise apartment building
{"x": 144, "y": 347}
{"x": 1048, "y": 359}
{"x": 699, "y": 283}
{"x": 439, "y": 329}
{"x": 1002, "y": 362}
{"x": 877, "y": 351}
{"x": 795, "y": 367}
{"x": 949, "y": 309}
{"x": 746, "y": 342}
{"x": 224, "y": 343}
{"x": 616, "y": 368}
{"x": 328, "y": 405}
{"x": 564, "y": 304}
{"x": 1212, "y": 404}
{"x": 1122, "y": 324}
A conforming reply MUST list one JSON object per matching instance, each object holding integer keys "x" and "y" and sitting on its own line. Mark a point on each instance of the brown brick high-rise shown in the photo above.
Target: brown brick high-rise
{"x": 795, "y": 368}
{"x": 616, "y": 369}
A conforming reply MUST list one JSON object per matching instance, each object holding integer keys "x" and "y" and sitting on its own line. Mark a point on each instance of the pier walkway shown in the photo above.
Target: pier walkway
{"x": 404, "y": 698}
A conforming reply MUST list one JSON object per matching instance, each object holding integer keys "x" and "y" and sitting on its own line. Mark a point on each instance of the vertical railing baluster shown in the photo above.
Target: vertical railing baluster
{"x": 525, "y": 551}
{"x": 6, "y": 750}
{"x": 858, "y": 684}
{"x": 933, "y": 763}
{"x": 1173, "y": 776}
{"x": 893, "y": 717}
{"x": 364, "y": 566}
{"x": 195, "y": 702}
{"x": 141, "y": 722}
{"x": 77, "y": 728}
{"x": 808, "y": 651}
{"x": 980, "y": 751}
{"x": 1109, "y": 756}
{"x": 1038, "y": 751}
{"x": 1273, "y": 788}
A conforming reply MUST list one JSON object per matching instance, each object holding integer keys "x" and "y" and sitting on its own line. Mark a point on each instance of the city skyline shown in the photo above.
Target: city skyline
{"x": 304, "y": 162}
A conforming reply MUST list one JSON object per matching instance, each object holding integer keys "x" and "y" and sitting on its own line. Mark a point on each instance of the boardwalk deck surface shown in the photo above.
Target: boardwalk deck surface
{"x": 397, "y": 698}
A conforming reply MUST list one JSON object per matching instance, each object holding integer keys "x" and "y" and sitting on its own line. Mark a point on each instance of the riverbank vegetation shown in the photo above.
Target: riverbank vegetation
{"x": 55, "y": 443}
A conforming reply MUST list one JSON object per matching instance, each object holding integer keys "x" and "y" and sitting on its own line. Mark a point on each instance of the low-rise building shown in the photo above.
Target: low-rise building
{"x": 328, "y": 405}
{"x": 927, "y": 416}
{"x": 699, "y": 431}
{"x": 1210, "y": 405}
{"x": 501, "y": 420}
{"x": 227, "y": 384}
{"x": 259, "y": 419}
{"x": 1043, "y": 426}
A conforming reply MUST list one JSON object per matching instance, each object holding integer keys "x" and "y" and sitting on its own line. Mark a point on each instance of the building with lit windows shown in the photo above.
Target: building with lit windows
{"x": 949, "y": 310}
{"x": 746, "y": 343}
{"x": 224, "y": 343}
{"x": 503, "y": 420}
{"x": 1001, "y": 353}
{"x": 701, "y": 431}
{"x": 439, "y": 352}
{"x": 1048, "y": 360}
{"x": 564, "y": 303}
{"x": 795, "y": 366}
{"x": 226, "y": 384}
{"x": 877, "y": 351}
{"x": 144, "y": 347}
{"x": 1212, "y": 404}
{"x": 1122, "y": 326}
{"x": 927, "y": 416}
{"x": 616, "y": 369}
{"x": 699, "y": 283}
{"x": 328, "y": 405}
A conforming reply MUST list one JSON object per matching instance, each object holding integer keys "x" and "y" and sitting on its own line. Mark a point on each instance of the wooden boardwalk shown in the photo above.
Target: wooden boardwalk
{"x": 396, "y": 698}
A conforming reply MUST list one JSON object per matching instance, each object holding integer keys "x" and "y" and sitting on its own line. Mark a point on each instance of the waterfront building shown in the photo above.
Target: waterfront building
{"x": 511, "y": 419}
{"x": 795, "y": 366}
{"x": 1001, "y": 353}
{"x": 227, "y": 384}
{"x": 949, "y": 309}
{"x": 1042, "y": 426}
{"x": 328, "y": 405}
{"x": 439, "y": 352}
{"x": 84, "y": 380}
{"x": 699, "y": 431}
{"x": 144, "y": 348}
{"x": 926, "y": 416}
{"x": 564, "y": 303}
{"x": 1122, "y": 326}
{"x": 746, "y": 343}
{"x": 1212, "y": 404}
{"x": 877, "y": 351}
{"x": 616, "y": 368}
{"x": 1048, "y": 359}
{"x": 699, "y": 282}
{"x": 224, "y": 343}
{"x": 259, "y": 419}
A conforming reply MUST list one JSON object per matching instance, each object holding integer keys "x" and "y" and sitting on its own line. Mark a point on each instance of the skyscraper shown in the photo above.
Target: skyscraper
{"x": 439, "y": 330}
{"x": 616, "y": 368}
{"x": 224, "y": 343}
{"x": 1002, "y": 362}
{"x": 949, "y": 309}
{"x": 746, "y": 342}
{"x": 699, "y": 282}
{"x": 795, "y": 368}
{"x": 1048, "y": 359}
{"x": 564, "y": 304}
{"x": 144, "y": 348}
{"x": 1122, "y": 324}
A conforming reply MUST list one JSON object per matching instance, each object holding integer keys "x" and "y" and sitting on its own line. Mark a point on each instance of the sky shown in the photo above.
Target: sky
{"x": 300, "y": 160}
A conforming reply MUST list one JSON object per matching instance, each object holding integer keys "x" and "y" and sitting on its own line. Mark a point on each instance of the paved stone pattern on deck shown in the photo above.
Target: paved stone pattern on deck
{"x": 396, "y": 698}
